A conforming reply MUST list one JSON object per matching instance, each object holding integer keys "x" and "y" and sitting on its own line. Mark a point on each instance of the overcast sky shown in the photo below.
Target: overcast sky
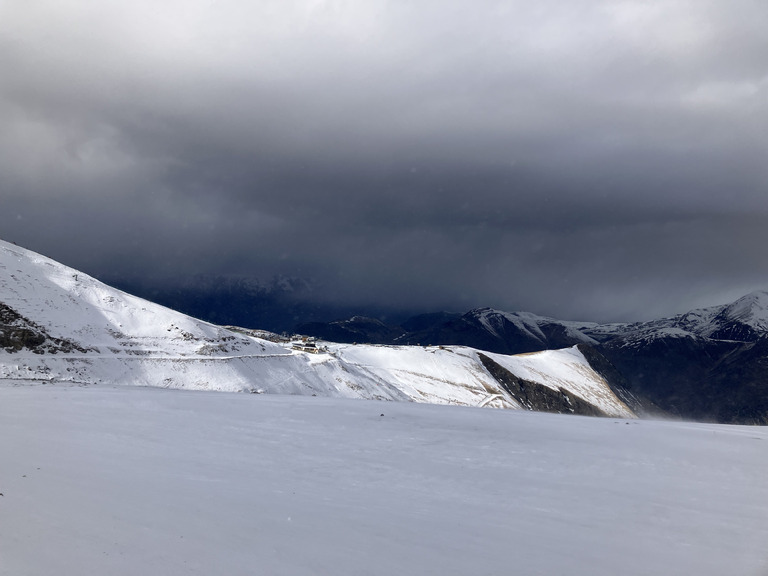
{"x": 588, "y": 159}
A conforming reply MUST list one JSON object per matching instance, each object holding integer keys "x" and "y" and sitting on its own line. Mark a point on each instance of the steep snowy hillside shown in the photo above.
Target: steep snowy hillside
{"x": 128, "y": 481}
{"x": 59, "y": 325}
{"x": 709, "y": 363}
{"x": 58, "y": 303}
{"x": 460, "y": 375}
{"x": 563, "y": 370}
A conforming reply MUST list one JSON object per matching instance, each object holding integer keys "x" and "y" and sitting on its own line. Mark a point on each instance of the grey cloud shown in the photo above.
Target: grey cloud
{"x": 576, "y": 159}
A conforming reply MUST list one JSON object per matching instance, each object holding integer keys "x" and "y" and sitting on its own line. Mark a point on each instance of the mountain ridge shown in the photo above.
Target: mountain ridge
{"x": 709, "y": 363}
{"x": 60, "y": 326}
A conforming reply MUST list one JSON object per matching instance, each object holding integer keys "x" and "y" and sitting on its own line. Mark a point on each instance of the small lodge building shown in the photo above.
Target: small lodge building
{"x": 307, "y": 345}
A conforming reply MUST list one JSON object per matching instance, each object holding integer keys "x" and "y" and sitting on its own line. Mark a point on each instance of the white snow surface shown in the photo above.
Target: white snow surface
{"x": 131, "y": 341}
{"x": 567, "y": 369}
{"x": 129, "y": 480}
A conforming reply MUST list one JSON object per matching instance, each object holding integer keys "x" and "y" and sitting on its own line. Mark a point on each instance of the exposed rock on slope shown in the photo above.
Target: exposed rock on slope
{"x": 17, "y": 333}
{"x": 534, "y": 396}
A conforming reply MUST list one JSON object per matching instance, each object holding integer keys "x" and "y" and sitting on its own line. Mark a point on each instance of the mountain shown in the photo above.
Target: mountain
{"x": 356, "y": 328}
{"x": 483, "y": 328}
{"x": 276, "y": 304}
{"x": 58, "y": 325}
{"x": 708, "y": 364}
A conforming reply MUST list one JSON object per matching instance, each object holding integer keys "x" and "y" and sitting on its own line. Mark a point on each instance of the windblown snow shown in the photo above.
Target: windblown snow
{"x": 101, "y": 335}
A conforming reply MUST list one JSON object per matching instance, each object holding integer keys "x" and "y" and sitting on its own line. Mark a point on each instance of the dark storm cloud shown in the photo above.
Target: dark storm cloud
{"x": 589, "y": 159}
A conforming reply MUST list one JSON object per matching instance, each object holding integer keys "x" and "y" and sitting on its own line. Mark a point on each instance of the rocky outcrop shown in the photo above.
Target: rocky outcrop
{"x": 535, "y": 396}
{"x": 17, "y": 333}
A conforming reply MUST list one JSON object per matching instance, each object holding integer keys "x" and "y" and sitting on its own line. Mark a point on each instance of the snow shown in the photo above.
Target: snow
{"x": 526, "y": 323}
{"x": 125, "y": 481}
{"x": 530, "y": 324}
{"x": 102, "y": 474}
{"x": 751, "y": 310}
{"x": 130, "y": 341}
{"x": 455, "y": 374}
{"x": 70, "y": 304}
{"x": 437, "y": 375}
{"x": 742, "y": 319}
{"x": 567, "y": 369}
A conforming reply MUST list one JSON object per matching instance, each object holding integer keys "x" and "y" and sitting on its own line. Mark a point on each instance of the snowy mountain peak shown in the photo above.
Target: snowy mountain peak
{"x": 744, "y": 320}
{"x": 751, "y": 309}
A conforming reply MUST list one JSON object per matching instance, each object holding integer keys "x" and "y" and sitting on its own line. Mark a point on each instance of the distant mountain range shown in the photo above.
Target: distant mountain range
{"x": 707, "y": 364}
{"x": 276, "y": 304}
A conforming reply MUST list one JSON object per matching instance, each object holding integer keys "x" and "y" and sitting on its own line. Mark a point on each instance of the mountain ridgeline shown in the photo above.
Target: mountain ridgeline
{"x": 709, "y": 364}
{"x": 60, "y": 325}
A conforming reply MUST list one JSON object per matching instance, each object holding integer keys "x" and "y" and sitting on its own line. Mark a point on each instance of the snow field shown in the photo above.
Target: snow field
{"x": 126, "y": 481}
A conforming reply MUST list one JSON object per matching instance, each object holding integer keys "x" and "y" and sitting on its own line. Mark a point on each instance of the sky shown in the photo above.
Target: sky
{"x": 591, "y": 160}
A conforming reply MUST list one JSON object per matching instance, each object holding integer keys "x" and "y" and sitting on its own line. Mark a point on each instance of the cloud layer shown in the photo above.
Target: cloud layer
{"x": 587, "y": 159}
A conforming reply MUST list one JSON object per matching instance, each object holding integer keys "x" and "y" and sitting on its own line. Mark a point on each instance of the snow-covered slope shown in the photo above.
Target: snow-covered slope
{"x": 566, "y": 369}
{"x": 457, "y": 375}
{"x": 67, "y": 304}
{"x": 129, "y": 481}
{"x": 60, "y": 325}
